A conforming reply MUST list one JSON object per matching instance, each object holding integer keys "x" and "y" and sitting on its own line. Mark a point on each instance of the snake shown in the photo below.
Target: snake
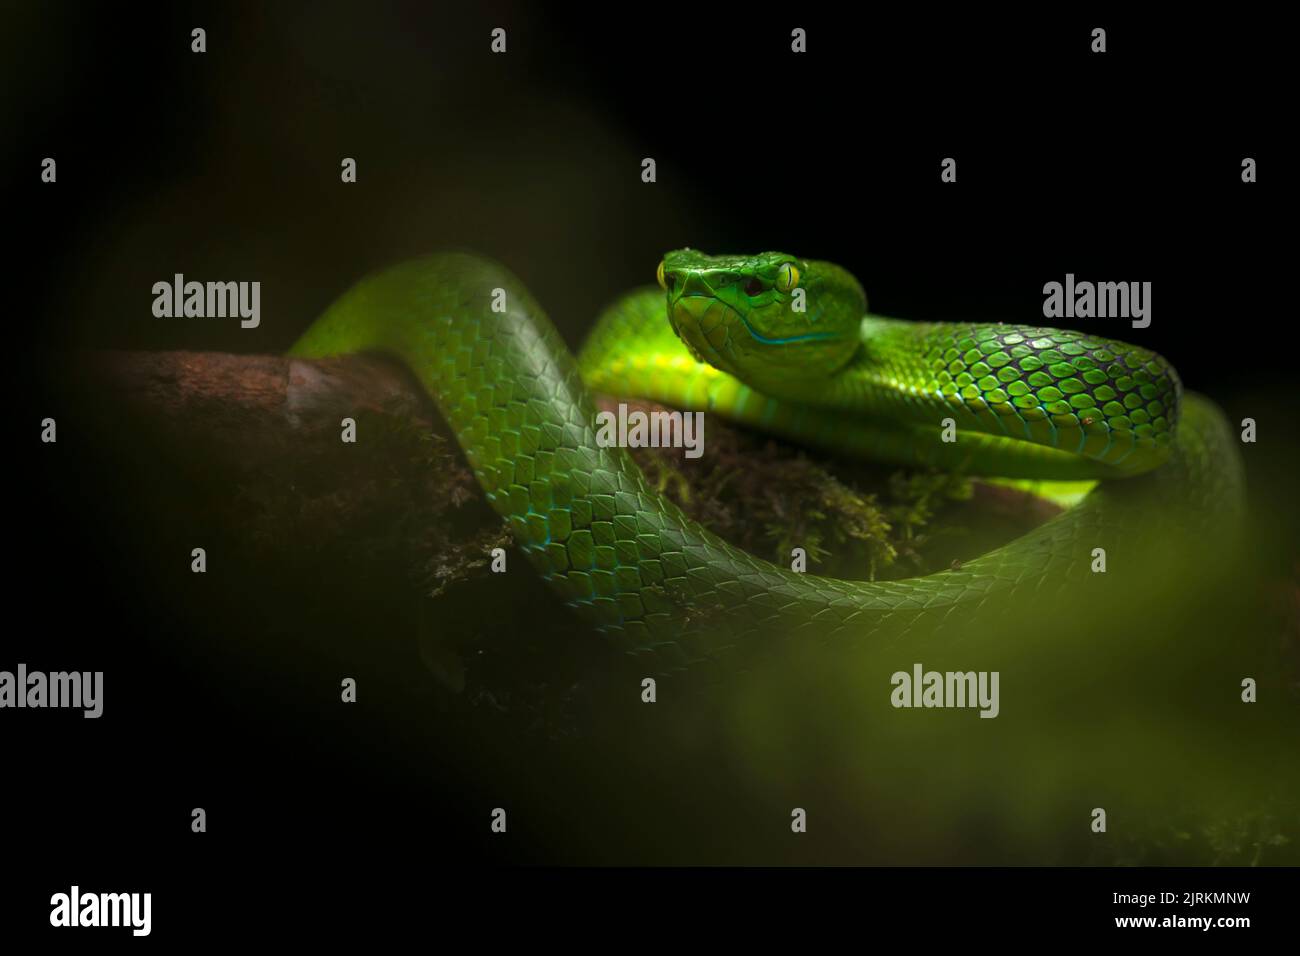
{"x": 787, "y": 346}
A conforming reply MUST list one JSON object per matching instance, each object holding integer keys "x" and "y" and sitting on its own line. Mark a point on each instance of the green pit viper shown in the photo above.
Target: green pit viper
{"x": 788, "y": 346}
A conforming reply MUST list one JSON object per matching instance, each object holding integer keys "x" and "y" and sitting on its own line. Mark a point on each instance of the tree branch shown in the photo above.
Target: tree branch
{"x": 271, "y": 426}
{"x": 254, "y": 407}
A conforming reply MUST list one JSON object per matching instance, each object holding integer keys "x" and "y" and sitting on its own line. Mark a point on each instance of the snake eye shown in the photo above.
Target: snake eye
{"x": 659, "y": 274}
{"x": 754, "y": 286}
{"x": 787, "y": 277}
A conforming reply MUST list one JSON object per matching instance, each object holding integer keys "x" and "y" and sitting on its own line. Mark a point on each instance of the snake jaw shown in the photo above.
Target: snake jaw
{"x": 690, "y": 347}
{"x": 702, "y": 324}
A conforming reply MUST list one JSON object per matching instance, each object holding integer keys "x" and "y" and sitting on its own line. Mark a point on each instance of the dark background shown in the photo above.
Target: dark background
{"x": 227, "y": 163}
{"x": 1122, "y": 166}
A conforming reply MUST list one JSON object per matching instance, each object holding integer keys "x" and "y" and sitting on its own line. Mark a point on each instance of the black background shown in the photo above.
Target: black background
{"x": 1124, "y": 166}
{"x": 1104, "y": 166}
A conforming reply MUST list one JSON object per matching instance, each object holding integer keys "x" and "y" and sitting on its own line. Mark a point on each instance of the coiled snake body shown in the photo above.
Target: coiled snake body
{"x": 786, "y": 345}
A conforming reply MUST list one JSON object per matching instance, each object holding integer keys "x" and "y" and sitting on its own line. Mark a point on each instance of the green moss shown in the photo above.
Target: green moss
{"x": 853, "y": 519}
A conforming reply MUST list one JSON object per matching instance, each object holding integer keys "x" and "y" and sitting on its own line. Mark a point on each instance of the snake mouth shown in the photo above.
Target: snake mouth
{"x": 758, "y": 336}
{"x": 703, "y": 323}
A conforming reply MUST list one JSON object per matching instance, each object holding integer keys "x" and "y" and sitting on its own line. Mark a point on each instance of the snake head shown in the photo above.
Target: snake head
{"x": 769, "y": 319}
